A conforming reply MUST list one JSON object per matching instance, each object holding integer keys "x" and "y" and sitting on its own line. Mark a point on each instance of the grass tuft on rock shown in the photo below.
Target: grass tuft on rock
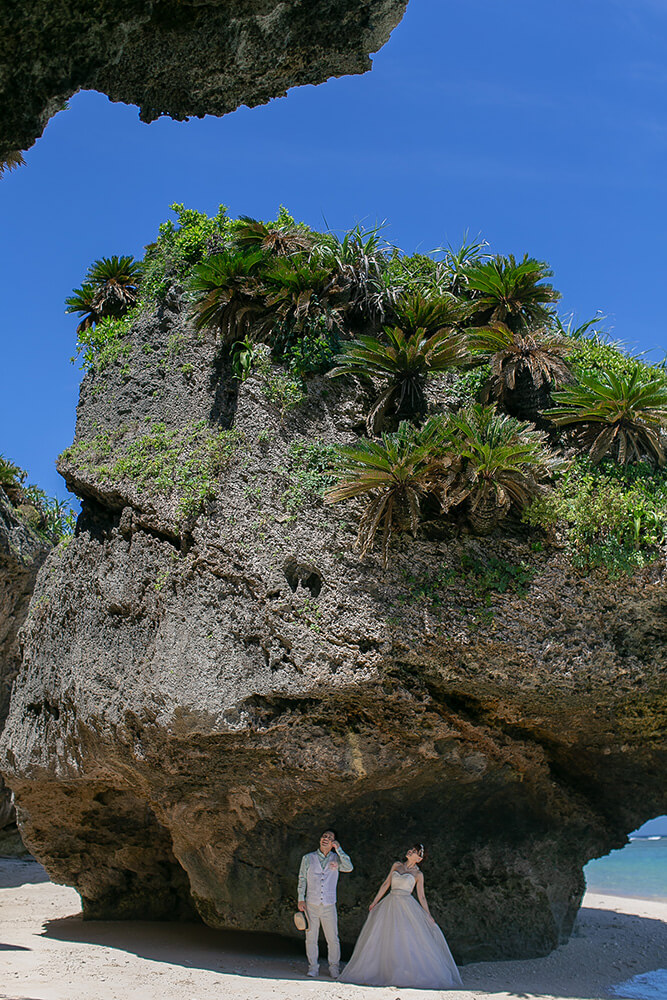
{"x": 182, "y": 463}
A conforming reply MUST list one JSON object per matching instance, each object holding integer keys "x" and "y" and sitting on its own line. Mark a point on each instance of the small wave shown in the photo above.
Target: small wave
{"x": 646, "y": 986}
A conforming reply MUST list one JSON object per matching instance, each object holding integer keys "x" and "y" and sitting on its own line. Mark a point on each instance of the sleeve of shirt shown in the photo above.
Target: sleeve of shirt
{"x": 344, "y": 865}
{"x": 303, "y": 879}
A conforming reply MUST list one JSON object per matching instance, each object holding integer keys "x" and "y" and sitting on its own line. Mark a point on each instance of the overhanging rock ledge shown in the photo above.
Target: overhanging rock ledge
{"x": 176, "y": 57}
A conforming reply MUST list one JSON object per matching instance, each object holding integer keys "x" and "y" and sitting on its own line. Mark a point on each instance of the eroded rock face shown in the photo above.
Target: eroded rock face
{"x": 179, "y": 58}
{"x": 200, "y": 696}
{"x": 22, "y": 552}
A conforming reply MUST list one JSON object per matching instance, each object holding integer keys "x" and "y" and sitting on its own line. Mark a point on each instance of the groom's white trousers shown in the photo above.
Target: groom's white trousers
{"x": 324, "y": 914}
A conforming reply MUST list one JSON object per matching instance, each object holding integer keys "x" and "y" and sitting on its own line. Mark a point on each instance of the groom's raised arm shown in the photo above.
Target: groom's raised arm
{"x": 344, "y": 863}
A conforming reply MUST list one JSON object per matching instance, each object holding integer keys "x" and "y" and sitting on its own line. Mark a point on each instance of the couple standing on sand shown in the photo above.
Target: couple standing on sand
{"x": 400, "y": 944}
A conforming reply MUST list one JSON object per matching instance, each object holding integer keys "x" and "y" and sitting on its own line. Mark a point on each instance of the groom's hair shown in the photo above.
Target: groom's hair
{"x": 329, "y": 830}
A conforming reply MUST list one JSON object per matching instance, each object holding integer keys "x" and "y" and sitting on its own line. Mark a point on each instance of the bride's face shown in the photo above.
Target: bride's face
{"x": 413, "y": 857}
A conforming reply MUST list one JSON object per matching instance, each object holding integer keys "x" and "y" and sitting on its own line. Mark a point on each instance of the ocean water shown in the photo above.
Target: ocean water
{"x": 647, "y": 986}
{"x": 639, "y": 869}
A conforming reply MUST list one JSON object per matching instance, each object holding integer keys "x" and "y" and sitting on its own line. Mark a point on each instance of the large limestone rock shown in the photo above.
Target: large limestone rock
{"x": 22, "y": 552}
{"x": 201, "y": 695}
{"x": 176, "y": 57}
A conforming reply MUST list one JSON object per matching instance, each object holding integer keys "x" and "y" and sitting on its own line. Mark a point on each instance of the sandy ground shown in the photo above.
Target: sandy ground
{"x": 48, "y": 953}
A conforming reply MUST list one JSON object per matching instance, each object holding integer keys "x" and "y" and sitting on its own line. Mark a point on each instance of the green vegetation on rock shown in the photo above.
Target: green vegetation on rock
{"x": 481, "y": 577}
{"x": 608, "y": 516}
{"x": 310, "y": 470}
{"x": 179, "y": 247}
{"x": 424, "y": 336}
{"x": 477, "y": 460}
{"x": 50, "y": 517}
{"x": 106, "y": 342}
{"x": 185, "y": 463}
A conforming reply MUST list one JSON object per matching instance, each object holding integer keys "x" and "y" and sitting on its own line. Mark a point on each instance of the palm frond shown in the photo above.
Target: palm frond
{"x": 82, "y": 302}
{"x": 525, "y": 365}
{"x": 415, "y": 311}
{"x": 395, "y": 473}
{"x": 272, "y": 239}
{"x": 228, "y": 293}
{"x": 11, "y": 161}
{"x": 517, "y": 294}
{"x": 111, "y": 288}
{"x": 403, "y": 361}
{"x": 503, "y": 459}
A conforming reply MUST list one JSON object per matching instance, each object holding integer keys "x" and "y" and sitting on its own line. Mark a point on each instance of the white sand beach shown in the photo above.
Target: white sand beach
{"x": 47, "y": 952}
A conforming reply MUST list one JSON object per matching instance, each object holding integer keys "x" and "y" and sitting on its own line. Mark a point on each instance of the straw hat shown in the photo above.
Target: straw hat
{"x": 301, "y": 920}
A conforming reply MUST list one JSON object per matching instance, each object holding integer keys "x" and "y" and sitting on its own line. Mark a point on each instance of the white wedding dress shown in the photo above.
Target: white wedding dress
{"x": 400, "y": 945}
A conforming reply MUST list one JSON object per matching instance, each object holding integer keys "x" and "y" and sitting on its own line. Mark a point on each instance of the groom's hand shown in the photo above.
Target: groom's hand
{"x": 301, "y": 905}
{"x": 335, "y": 845}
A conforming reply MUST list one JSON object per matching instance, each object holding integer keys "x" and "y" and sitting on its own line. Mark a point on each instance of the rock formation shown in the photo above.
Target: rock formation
{"x": 22, "y": 552}
{"x": 211, "y": 676}
{"x": 176, "y": 57}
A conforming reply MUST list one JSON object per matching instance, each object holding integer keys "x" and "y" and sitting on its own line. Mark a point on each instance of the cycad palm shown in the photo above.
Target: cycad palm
{"x": 403, "y": 362}
{"x": 505, "y": 463}
{"x": 111, "y": 288}
{"x": 430, "y": 313}
{"x": 396, "y": 473}
{"x": 504, "y": 291}
{"x": 273, "y": 239}
{"x": 620, "y": 415}
{"x": 525, "y": 366}
{"x": 228, "y": 293}
{"x": 299, "y": 289}
{"x": 116, "y": 280}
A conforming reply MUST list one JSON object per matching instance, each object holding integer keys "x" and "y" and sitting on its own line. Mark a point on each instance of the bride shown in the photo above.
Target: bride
{"x": 400, "y": 944}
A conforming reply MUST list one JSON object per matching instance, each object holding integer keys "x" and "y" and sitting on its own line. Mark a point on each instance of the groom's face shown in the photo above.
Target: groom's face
{"x": 326, "y": 841}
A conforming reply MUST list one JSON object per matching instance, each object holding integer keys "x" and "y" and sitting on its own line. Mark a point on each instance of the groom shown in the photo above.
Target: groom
{"x": 318, "y": 877}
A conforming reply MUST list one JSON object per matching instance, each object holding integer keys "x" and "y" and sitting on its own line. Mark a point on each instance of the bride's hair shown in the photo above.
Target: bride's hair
{"x": 420, "y": 849}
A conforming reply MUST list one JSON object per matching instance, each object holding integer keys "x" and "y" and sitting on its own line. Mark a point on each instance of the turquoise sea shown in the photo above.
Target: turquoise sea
{"x": 639, "y": 869}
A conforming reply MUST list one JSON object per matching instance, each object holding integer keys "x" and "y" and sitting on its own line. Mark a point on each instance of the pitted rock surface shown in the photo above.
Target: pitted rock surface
{"x": 200, "y": 696}
{"x": 22, "y": 552}
{"x": 179, "y": 58}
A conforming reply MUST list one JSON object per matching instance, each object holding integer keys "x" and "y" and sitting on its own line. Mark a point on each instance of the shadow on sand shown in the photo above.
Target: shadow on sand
{"x": 609, "y": 944}
{"x": 193, "y": 946}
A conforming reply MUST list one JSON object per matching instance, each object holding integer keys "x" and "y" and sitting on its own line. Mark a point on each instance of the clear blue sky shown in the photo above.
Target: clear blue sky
{"x": 541, "y": 126}
{"x": 654, "y": 827}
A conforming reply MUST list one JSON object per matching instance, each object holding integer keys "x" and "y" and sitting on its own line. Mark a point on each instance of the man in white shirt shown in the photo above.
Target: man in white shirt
{"x": 318, "y": 878}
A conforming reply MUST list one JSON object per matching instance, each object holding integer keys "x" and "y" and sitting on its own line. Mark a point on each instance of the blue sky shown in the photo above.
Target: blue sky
{"x": 542, "y": 127}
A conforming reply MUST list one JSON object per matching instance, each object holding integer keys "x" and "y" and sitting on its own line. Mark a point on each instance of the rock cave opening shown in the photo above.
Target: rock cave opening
{"x": 635, "y": 869}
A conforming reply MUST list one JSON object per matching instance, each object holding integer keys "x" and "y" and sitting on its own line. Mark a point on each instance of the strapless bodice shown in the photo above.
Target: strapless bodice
{"x": 402, "y": 882}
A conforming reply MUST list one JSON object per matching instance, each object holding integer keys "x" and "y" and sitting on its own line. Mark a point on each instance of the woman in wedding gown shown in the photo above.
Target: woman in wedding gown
{"x": 400, "y": 944}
